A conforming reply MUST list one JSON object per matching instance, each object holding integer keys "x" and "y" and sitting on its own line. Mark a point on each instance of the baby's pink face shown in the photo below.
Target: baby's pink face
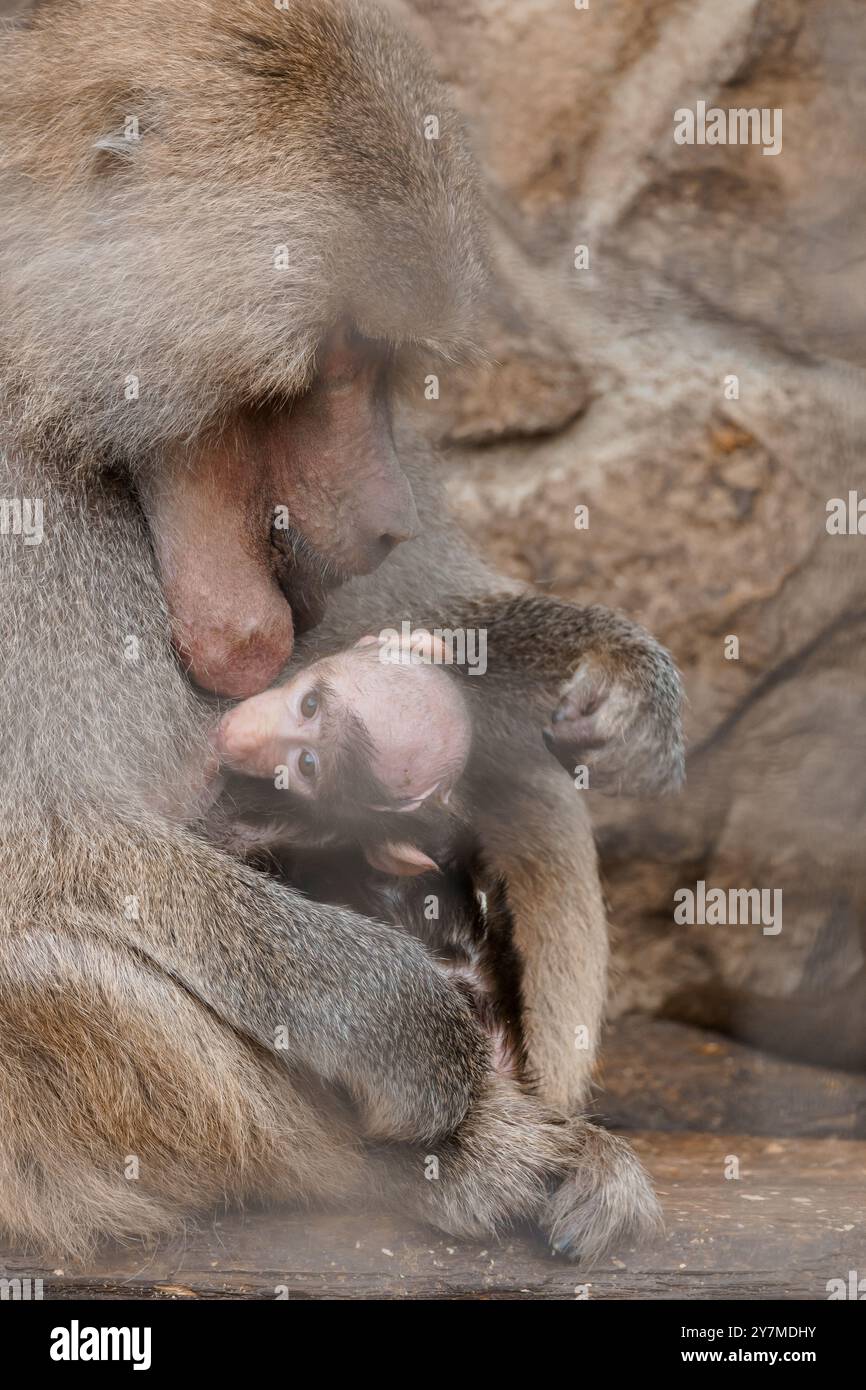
{"x": 414, "y": 718}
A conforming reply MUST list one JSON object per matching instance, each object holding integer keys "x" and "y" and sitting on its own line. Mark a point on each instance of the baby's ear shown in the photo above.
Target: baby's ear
{"x": 367, "y": 641}
{"x": 427, "y": 647}
{"x": 402, "y": 860}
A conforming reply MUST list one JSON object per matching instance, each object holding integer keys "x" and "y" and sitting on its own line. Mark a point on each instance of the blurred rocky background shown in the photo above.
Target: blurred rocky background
{"x": 707, "y": 499}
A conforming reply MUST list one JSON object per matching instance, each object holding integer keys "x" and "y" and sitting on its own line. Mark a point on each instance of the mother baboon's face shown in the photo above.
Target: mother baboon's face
{"x": 227, "y": 234}
{"x": 255, "y": 521}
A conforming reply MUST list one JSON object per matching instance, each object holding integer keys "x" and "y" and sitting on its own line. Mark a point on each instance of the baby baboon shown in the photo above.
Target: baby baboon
{"x": 365, "y": 753}
{"x": 368, "y": 757}
{"x": 357, "y": 749}
{"x": 366, "y": 799}
{"x": 371, "y": 747}
{"x": 226, "y": 242}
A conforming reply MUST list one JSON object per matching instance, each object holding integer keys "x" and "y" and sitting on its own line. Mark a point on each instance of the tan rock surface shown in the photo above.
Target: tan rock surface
{"x": 707, "y": 514}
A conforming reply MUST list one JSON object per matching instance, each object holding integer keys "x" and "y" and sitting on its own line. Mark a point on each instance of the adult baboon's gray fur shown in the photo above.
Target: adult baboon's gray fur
{"x": 157, "y": 998}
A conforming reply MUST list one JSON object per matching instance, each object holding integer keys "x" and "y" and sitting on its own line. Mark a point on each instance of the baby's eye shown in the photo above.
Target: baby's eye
{"x": 308, "y": 765}
{"x": 310, "y": 704}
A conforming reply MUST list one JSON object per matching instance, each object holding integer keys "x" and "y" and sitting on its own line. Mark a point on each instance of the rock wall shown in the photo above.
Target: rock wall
{"x": 707, "y": 497}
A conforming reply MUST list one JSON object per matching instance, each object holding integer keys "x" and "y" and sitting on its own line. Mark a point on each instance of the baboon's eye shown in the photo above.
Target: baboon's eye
{"x": 308, "y": 765}
{"x": 310, "y": 704}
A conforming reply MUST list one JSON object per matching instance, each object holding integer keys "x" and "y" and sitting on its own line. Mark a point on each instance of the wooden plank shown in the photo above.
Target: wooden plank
{"x": 657, "y": 1075}
{"x": 793, "y": 1220}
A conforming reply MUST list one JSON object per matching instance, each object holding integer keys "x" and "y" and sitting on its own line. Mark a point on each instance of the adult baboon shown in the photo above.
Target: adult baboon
{"x": 226, "y": 235}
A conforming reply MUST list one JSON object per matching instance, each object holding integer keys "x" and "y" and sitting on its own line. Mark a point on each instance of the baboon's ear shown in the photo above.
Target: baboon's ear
{"x": 402, "y": 860}
{"x": 429, "y": 647}
{"x": 421, "y": 645}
